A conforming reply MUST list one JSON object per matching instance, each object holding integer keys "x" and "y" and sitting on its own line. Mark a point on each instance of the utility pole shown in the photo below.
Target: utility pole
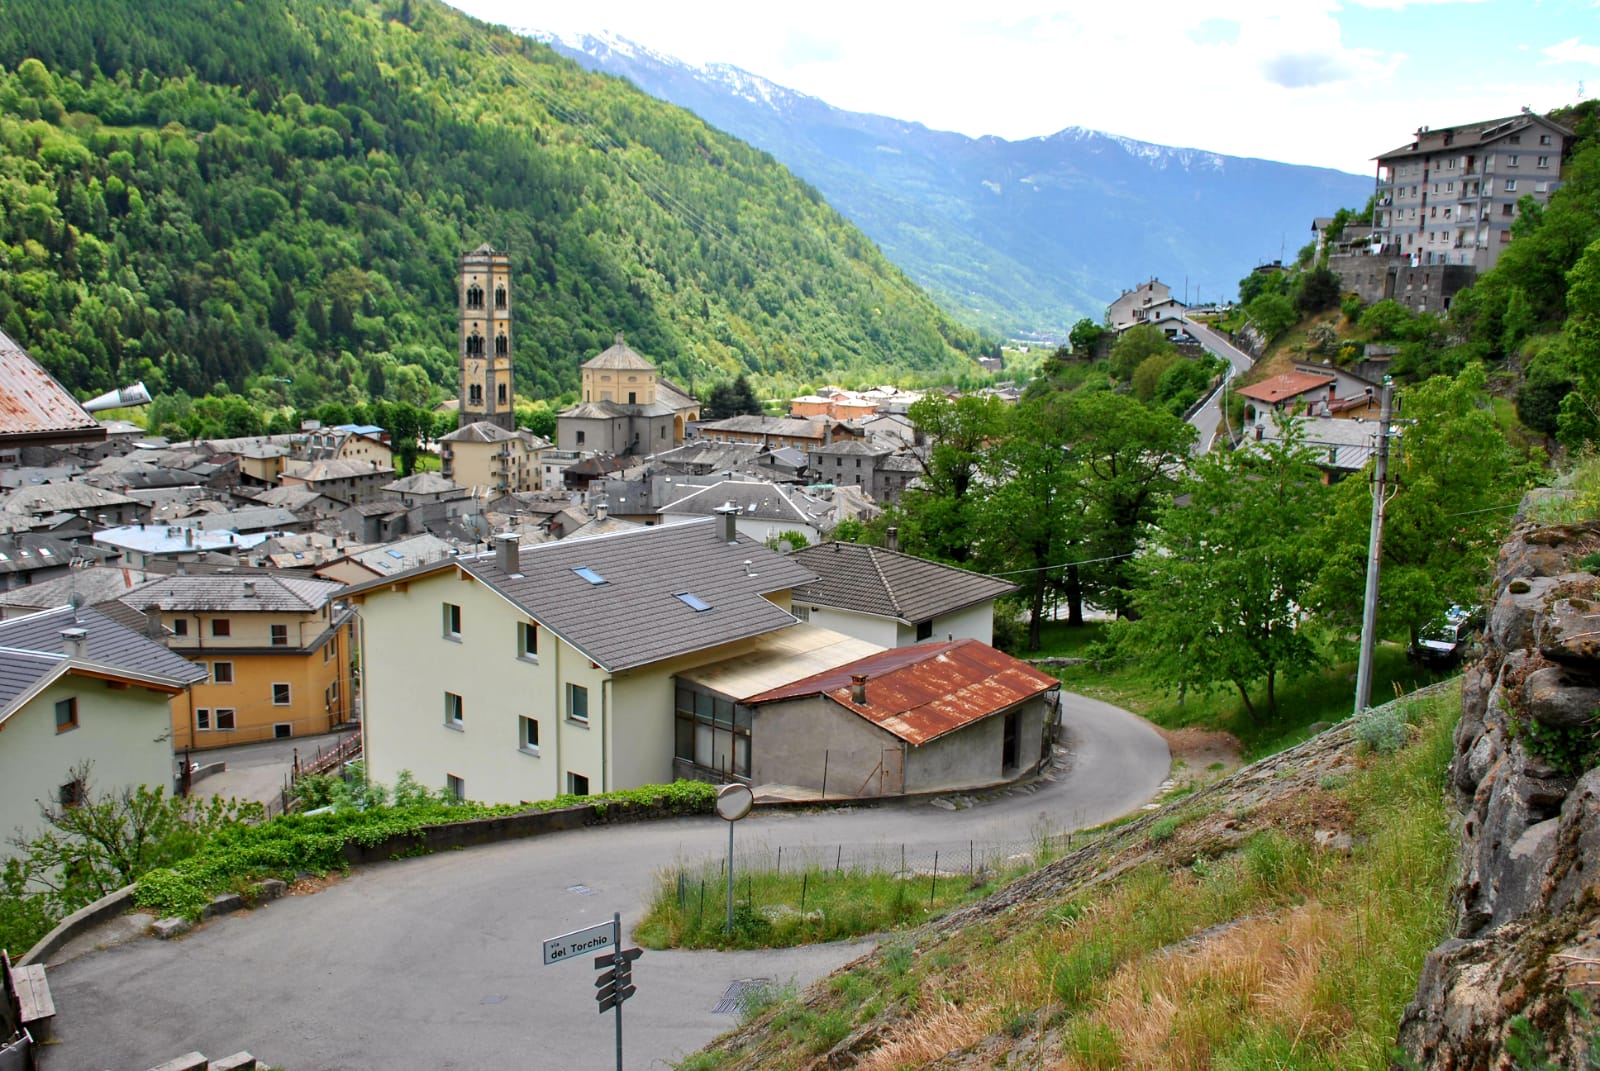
{"x": 1369, "y": 609}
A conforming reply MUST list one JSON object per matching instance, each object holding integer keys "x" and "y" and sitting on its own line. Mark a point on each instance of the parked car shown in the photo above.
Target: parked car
{"x": 1443, "y": 642}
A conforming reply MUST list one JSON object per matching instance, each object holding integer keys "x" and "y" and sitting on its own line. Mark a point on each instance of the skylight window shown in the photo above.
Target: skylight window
{"x": 590, "y": 575}
{"x": 692, "y": 601}
{"x": 395, "y": 554}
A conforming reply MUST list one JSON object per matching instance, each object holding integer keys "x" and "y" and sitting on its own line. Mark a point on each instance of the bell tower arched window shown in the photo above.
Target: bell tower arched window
{"x": 502, "y": 345}
{"x": 499, "y": 297}
{"x": 474, "y": 296}
{"x": 474, "y": 345}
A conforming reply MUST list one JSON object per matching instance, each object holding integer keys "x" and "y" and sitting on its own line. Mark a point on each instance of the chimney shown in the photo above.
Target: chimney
{"x": 891, "y": 538}
{"x": 152, "y": 622}
{"x": 75, "y": 642}
{"x": 508, "y": 552}
{"x": 249, "y": 589}
{"x": 858, "y": 689}
{"x": 727, "y": 531}
{"x": 600, "y": 511}
{"x": 188, "y": 537}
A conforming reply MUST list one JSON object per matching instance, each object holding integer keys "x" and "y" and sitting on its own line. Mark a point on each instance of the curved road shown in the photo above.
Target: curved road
{"x": 435, "y": 962}
{"x": 1209, "y": 417}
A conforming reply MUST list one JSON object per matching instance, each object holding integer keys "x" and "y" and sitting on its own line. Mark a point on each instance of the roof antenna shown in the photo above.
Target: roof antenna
{"x": 75, "y": 600}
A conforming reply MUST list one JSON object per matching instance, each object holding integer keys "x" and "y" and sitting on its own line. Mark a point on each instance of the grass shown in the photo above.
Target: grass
{"x": 1273, "y": 953}
{"x": 1324, "y": 696}
{"x": 773, "y": 910}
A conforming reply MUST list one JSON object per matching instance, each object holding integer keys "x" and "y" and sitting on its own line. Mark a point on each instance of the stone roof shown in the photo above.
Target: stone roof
{"x": 758, "y": 499}
{"x": 422, "y": 483}
{"x": 255, "y": 593}
{"x": 404, "y": 554}
{"x": 32, "y": 653}
{"x": 748, "y": 424}
{"x": 33, "y": 404}
{"x": 95, "y": 584}
{"x": 620, "y": 357}
{"x": 479, "y": 431}
{"x": 873, "y": 580}
{"x": 249, "y": 519}
{"x": 61, "y": 497}
{"x": 637, "y": 613}
{"x": 853, "y": 448}
{"x": 322, "y": 471}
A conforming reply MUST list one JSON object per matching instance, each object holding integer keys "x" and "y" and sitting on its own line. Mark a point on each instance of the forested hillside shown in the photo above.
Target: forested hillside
{"x": 273, "y": 195}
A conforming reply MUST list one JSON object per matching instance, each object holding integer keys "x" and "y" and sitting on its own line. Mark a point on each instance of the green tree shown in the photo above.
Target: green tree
{"x": 1085, "y": 337}
{"x": 1135, "y": 346}
{"x": 1128, "y": 455}
{"x": 1272, "y": 313}
{"x": 1455, "y": 482}
{"x": 1221, "y": 585}
{"x": 735, "y": 398}
{"x": 1033, "y": 519}
{"x": 937, "y": 519}
{"x": 1315, "y": 291}
{"x": 1580, "y": 337}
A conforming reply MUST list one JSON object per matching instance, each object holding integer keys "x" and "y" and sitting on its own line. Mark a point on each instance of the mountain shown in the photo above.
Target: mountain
{"x": 272, "y": 195}
{"x": 1010, "y": 235}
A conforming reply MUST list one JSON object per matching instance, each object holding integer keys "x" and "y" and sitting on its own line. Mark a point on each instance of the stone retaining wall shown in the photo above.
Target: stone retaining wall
{"x": 1528, "y": 892}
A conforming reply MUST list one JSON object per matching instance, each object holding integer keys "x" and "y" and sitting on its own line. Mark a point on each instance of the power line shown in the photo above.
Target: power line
{"x": 1063, "y": 565}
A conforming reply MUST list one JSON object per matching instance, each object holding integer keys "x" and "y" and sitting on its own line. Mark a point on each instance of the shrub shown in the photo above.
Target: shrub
{"x": 1384, "y": 730}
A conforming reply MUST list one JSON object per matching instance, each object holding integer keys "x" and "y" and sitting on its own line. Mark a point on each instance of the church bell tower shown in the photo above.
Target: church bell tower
{"x": 485, "y": 345}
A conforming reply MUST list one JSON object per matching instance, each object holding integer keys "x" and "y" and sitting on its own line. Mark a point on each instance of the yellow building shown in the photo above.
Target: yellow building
{"x": 276, "y": 650}
{"x": 487, "y": 394}
{"x": 483, "y": 454}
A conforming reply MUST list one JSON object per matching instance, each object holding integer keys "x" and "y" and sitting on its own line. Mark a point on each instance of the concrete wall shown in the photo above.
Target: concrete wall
{"x": 791, "y": 741}
{"x": 883, "y": 631}
{"x": 972, "y": 623}
{"x": 124, "y": 732}
{"x": 972, "y": 757}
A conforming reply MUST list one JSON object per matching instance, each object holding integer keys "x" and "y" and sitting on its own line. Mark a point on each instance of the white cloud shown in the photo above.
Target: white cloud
{"x": 1570, "y": 51}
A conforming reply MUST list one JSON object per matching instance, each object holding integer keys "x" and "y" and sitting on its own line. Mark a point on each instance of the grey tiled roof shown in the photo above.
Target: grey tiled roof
{"x": 635, "y": 618}
{"x": 873, "y": 580}
{"x": 31, "y": 648}
{"x": 755, "y": 499}
{"x": 275, "y": 593}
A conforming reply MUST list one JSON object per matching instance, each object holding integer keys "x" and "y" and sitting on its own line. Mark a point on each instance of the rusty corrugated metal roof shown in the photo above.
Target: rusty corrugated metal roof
{"x": 32, "y": 403}
{"x": 1284, "y": 386}
{"x": 921, "y": 693}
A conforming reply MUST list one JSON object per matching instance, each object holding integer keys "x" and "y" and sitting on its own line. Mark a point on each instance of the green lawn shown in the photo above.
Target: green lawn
{"x": 1324, "y": 696}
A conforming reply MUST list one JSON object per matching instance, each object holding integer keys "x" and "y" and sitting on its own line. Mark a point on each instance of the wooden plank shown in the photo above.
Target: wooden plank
{"x": 33, "y": 993}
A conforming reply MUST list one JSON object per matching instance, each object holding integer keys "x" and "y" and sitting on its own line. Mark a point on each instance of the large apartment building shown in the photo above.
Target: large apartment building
{"x": 1449, "y": 196}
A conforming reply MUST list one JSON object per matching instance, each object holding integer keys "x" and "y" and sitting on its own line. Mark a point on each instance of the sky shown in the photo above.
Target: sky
{"x": 1319, "y": 82}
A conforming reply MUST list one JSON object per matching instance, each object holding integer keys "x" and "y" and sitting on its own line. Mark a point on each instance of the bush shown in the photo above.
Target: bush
{"x": 1384, "y": 730}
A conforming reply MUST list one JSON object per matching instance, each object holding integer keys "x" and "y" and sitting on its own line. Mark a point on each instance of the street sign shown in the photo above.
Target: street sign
{"x": 614, "y": 1000}
{"x": 610, "y": 958}
{"x": 575, "y": 944}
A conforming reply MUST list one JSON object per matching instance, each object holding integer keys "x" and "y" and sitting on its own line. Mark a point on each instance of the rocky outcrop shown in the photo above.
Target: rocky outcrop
{"x": 1528, "y": 895}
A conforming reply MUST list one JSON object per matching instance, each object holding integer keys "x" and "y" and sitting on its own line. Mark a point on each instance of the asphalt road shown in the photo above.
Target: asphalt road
{"x": 1209, "y": 417}
{"x": 436, "y": 962}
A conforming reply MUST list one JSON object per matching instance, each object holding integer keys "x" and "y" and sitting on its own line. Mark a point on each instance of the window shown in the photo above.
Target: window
{"x": 1544, "y": 161}
{"x": 455, "y": 786}
{"x": 72, "y": 793}
{"x": 712, "y": 732}
{"x": 499, "y": 297}
{"x": 224, "y": 719}
{"x": 500, "y": 393}
{"x": 222, "y": 673}
{"x": 475, "y": 394}
{"x": 327, "y": 651}
{"x": 502, "y": 345}
{"x": 67, "y": 714}
{"x": 1544, "y": 139}
{"x": 280, "y": 636}
{"x": 280, "y": 695}
{"x": 180, "y": 626}
{"x": 221, "y": 626}
{"x": 1515, "y": 139}
{"x": 580, "y": 438}
{"x": 633, "y": 398}
{"x": 528, "y": 735}
{"x": 1507, "y": 210}
{"x": 692, "y": 601}
{"x": 202, "y": 719}
{"x": 1511, "y": 185}
{"x": 282, "y": 730}
{"x": 474, "y": 297}
{"x": 590, "y": 575}
{"x": 578, "y": 704}
{"x": 474, "y": 345}
{"x": 577, "y": 784}
{"x": 925, "y": 629}
{"x": 453, "y": 711}
{"x": 1511, "y": 161}
{"x": 452, "y": 621}
{"x": 528, "y": 641}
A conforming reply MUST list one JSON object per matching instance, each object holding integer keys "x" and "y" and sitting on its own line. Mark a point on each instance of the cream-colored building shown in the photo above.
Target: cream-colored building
{"x": 566, "y": 667}
{"x": 486, "y": 455}
{"x": 627, "y": 407}
{"x": 80, "y": 693}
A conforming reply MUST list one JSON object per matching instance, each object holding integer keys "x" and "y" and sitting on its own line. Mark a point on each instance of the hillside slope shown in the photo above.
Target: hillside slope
{"x": 1012, "y": 235}
{"x": 1239, "y": 927}
{"x": 193, "y": 193}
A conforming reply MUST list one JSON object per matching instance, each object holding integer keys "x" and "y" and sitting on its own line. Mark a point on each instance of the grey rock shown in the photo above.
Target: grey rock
{"x": 239, "y": 1061}
{"x": 1333, "y": 840}
{"x": 1511, "y": 618}
{"x": 1559, "y": 698}
{"x": 270, "y": 889}
{"x": 1569, "y": 632}
{"x": 167, "y": 929}
{"x": 223, "y": 905}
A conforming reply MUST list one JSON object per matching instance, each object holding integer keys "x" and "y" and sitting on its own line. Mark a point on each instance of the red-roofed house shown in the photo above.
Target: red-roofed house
{"x": 934, "y": 717}
{"x": 35, "y": 410}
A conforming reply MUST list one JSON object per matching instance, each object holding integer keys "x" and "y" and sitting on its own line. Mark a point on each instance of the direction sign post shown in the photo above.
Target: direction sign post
{"x": 615, "y": 983}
